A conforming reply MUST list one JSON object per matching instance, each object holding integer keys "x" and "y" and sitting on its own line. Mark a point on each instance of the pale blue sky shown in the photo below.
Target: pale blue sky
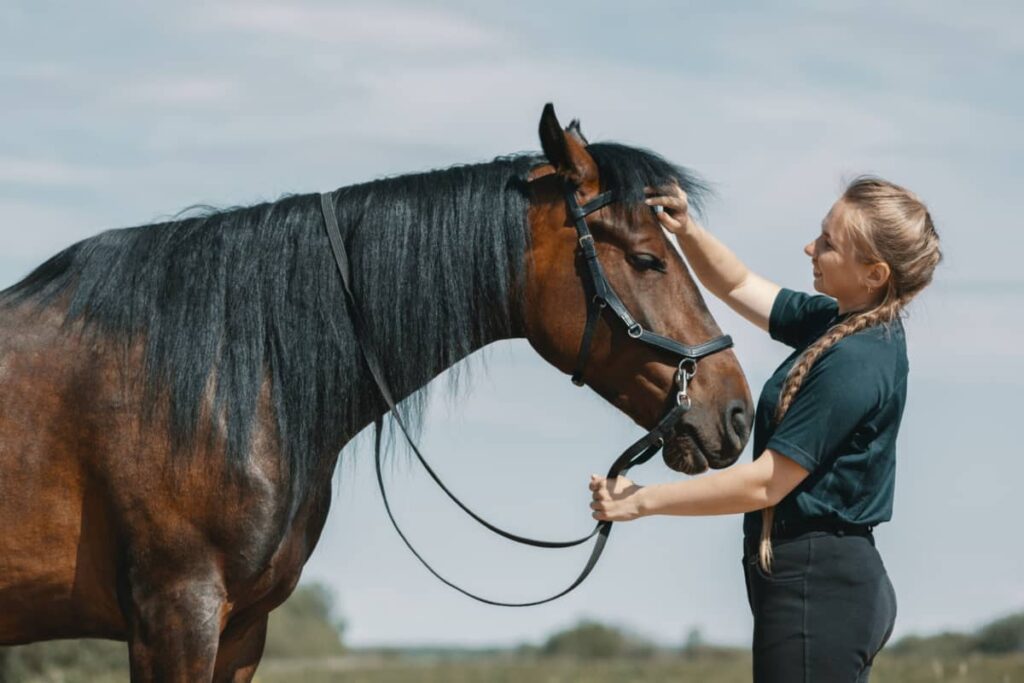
{"x": 117, "y": 114}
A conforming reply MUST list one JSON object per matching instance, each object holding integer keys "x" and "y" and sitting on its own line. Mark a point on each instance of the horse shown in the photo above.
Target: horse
{"x": 175, "y": 396}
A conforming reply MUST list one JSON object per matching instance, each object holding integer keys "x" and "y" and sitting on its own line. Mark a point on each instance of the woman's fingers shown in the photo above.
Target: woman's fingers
{"x": 613, "y": 500}
{"x": 669, "y": 223}
{"x": 674, "y": 215}
{"x": 667, "y": 193}
{"x": 666, "y": 200}
{"x": 620, "y": 484}
{"x": 671, "y": 207}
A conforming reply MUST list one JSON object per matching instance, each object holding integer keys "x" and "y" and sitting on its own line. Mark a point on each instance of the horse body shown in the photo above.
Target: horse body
{"x": 168, "y": 433}
{"x": 113, "y": 535}
{"x": 89, "y": 552}
{"x": 103, "y": 524}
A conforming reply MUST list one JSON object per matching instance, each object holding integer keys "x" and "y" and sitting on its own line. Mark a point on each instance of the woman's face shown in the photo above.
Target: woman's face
{"x": 837, "y": 270}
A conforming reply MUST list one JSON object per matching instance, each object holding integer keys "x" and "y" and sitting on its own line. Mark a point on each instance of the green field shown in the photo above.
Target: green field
{"x": 735, "y": 669}
{"x": 305, "y": 643}
{"x": 723, "y": 666}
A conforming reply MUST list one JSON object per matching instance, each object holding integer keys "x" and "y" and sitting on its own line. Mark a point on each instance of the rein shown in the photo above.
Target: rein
{"x": 603, "y": 297}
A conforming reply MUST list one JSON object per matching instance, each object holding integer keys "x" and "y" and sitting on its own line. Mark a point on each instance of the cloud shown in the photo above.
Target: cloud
{"x": 182, "y": 91}
{"x": 406, "y": 29}
{"x": 46, "y": 172}
{"x": 34, "y": 231}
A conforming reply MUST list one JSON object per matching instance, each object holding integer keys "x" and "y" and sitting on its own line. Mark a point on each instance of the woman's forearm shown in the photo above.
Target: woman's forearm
{"x": 741, "y": 488}
{"x": 717, "y": 267}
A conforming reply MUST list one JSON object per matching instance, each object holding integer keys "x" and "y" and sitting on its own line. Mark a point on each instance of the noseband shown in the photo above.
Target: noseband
{"x": 602, "y": 297}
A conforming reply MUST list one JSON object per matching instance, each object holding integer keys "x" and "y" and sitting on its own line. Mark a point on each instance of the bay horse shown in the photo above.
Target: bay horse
{"x": 175, "y": 396}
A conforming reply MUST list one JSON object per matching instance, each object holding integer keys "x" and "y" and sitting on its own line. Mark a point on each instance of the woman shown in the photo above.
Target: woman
{"x": 824, "y": 435}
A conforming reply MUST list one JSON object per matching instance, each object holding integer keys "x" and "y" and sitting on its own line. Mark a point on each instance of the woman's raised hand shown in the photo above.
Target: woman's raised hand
{"x": 675, "y": 216}
{"x": 615, "y": 500}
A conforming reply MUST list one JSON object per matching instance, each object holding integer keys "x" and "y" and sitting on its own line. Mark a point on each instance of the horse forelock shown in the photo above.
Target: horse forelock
{"x": 629, "y": 171}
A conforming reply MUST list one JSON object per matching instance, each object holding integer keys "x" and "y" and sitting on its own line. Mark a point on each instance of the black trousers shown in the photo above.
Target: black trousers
{"x": 824, "y": 611}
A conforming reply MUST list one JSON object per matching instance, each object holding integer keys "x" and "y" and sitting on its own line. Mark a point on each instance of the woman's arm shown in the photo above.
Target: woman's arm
{"x": 740, "y": 488}
{"x": 717, "y": 267}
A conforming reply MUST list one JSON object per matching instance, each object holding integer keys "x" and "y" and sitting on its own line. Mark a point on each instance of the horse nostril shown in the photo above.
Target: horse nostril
{"x": 737, "y": 422}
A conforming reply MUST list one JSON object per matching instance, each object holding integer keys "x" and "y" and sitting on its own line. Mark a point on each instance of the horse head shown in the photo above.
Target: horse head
{"x": 650, "y": 277}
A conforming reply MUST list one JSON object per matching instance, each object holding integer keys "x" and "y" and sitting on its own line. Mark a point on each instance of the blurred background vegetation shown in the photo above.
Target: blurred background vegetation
{"x": 305, "y": 643}
{"x": 304, "y": 627}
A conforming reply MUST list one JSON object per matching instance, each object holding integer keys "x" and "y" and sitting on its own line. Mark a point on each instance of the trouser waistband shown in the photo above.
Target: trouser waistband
{"x": 790, "y": 528}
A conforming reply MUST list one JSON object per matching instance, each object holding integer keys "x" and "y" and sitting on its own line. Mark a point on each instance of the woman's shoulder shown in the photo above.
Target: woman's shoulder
{"x": 876, "y": 350}
{"x": 797, "y": 318}
{"x": 795, "y": 301}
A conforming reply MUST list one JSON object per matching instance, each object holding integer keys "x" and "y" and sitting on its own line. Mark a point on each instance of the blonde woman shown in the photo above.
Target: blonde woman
{"x": 824, "y": 435}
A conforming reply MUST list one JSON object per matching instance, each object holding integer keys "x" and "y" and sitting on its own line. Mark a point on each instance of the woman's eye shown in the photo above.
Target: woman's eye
{"x": 647, "y": 262}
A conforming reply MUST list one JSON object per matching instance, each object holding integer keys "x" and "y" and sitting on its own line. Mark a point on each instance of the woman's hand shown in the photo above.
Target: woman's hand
{"x": 615, "y": 500}
{"x": 675, "y": 216}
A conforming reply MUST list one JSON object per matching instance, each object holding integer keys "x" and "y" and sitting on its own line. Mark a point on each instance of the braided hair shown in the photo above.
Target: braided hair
{"x": 887, "y": 224}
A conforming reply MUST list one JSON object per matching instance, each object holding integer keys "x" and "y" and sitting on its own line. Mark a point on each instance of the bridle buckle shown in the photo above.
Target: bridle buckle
{"x": 686, "y": 371}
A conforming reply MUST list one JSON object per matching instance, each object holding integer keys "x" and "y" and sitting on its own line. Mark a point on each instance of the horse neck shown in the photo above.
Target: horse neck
{"x": 426, "y": 308}
{"x": 374, "y": 404}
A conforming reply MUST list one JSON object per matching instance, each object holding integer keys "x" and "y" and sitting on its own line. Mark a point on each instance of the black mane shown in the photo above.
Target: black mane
{"x": 228, "y": 298}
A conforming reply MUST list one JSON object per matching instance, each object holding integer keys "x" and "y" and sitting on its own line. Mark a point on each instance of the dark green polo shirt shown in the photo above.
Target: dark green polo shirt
{"x": 842, "y": 424}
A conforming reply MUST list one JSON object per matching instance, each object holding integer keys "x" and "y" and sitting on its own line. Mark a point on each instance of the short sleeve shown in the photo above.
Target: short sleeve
{"x": 835, "y": 398}
{"x": 797, "y": 318}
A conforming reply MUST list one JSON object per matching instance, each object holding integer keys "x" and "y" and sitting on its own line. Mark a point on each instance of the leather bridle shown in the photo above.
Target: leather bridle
{"x": 602, "y": 297}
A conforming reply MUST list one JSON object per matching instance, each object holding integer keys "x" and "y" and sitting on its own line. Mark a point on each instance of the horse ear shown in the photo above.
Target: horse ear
{"x": 574, "y": 129}
{"x": 566, "y": 149}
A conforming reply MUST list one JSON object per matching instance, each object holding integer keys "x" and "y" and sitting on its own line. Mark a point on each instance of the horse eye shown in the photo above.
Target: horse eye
{"x": 647, "y": 262}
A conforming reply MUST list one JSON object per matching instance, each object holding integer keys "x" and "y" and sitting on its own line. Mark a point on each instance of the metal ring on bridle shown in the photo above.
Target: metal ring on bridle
{"x": 635, "y": 331}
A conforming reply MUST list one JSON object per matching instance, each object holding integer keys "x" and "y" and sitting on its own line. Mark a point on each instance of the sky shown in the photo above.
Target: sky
{"x": 120, "y": 114}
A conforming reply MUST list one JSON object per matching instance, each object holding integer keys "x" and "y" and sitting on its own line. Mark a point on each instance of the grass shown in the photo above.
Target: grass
{"x": 733, "y": 669}
{"x": 717, "y": 666}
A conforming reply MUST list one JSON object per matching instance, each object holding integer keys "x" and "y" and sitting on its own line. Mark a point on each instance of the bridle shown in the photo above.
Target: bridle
{"x": 602, "y": 297}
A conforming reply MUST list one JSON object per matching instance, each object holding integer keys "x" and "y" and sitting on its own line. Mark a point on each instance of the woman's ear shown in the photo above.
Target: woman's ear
{"x": 877, "y": 276}
{"x": 566, "y": 151}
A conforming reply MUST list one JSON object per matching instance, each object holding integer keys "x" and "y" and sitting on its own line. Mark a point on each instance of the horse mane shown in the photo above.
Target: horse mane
{"x": 222, "y": 300}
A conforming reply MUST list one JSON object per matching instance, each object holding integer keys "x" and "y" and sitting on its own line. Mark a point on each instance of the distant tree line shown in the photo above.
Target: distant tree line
{"x": 590, "y": 639}
{"x": 1002, "y": 636}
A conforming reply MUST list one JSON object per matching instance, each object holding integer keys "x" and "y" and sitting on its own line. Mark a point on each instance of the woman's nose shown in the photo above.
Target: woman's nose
{"x": 809, "y": 249}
